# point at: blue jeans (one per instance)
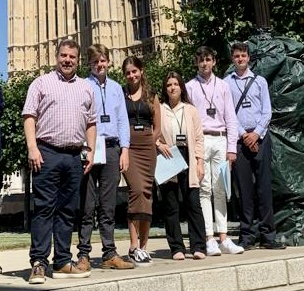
(56, 197)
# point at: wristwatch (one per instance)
(157, 143)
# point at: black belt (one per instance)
(216, 133)
(112, 142)
(72, 149)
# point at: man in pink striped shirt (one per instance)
(212, 97)
(59, 115)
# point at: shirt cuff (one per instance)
(231, 149)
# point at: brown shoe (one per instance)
(83, 263)
(70, 270)
(37, 274)
(117, 263)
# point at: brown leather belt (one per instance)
(64, 149)
(216, 133)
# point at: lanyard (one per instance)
(181, 123)
(103, 95)
(211, 101)
(136, 110)
(239, 86)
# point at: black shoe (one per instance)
(246, 246)
(272, 245)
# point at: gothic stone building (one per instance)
(126, 27)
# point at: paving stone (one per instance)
(262, 275)
(98, 287)
(156, 283)
(222, 279)
(295, 269)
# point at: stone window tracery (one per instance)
(141, 19)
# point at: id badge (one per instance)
(104, 118)
(210, 111)
(138, 127)
(181, 140)
(246, 104)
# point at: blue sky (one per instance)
(3, 39)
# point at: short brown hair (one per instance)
(70, 43)
(240, 46)
(95, 50)
(203, 52)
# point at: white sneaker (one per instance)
(213, 248)
(140, 258)
(227, 246)
(147, 255)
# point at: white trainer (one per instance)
(213, 248)
(227, 246)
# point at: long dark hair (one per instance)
(147, 94)
(178, 77)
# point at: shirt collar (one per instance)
(202, 80)
(94, 78)
(248, 74)
(63, 79)
(179, 106)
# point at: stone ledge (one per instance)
(281, 274)
(295, 269)
(275, 270)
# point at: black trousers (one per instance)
(99, 193)
(252, 172)
(56, 198)
(191, 203)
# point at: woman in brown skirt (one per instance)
(144, 117)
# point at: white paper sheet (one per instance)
(168, 168)
(100, 150)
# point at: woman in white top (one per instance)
(181, 126)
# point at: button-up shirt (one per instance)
(110, 100)
(214, 93)
(63, 108)
(258, 115)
